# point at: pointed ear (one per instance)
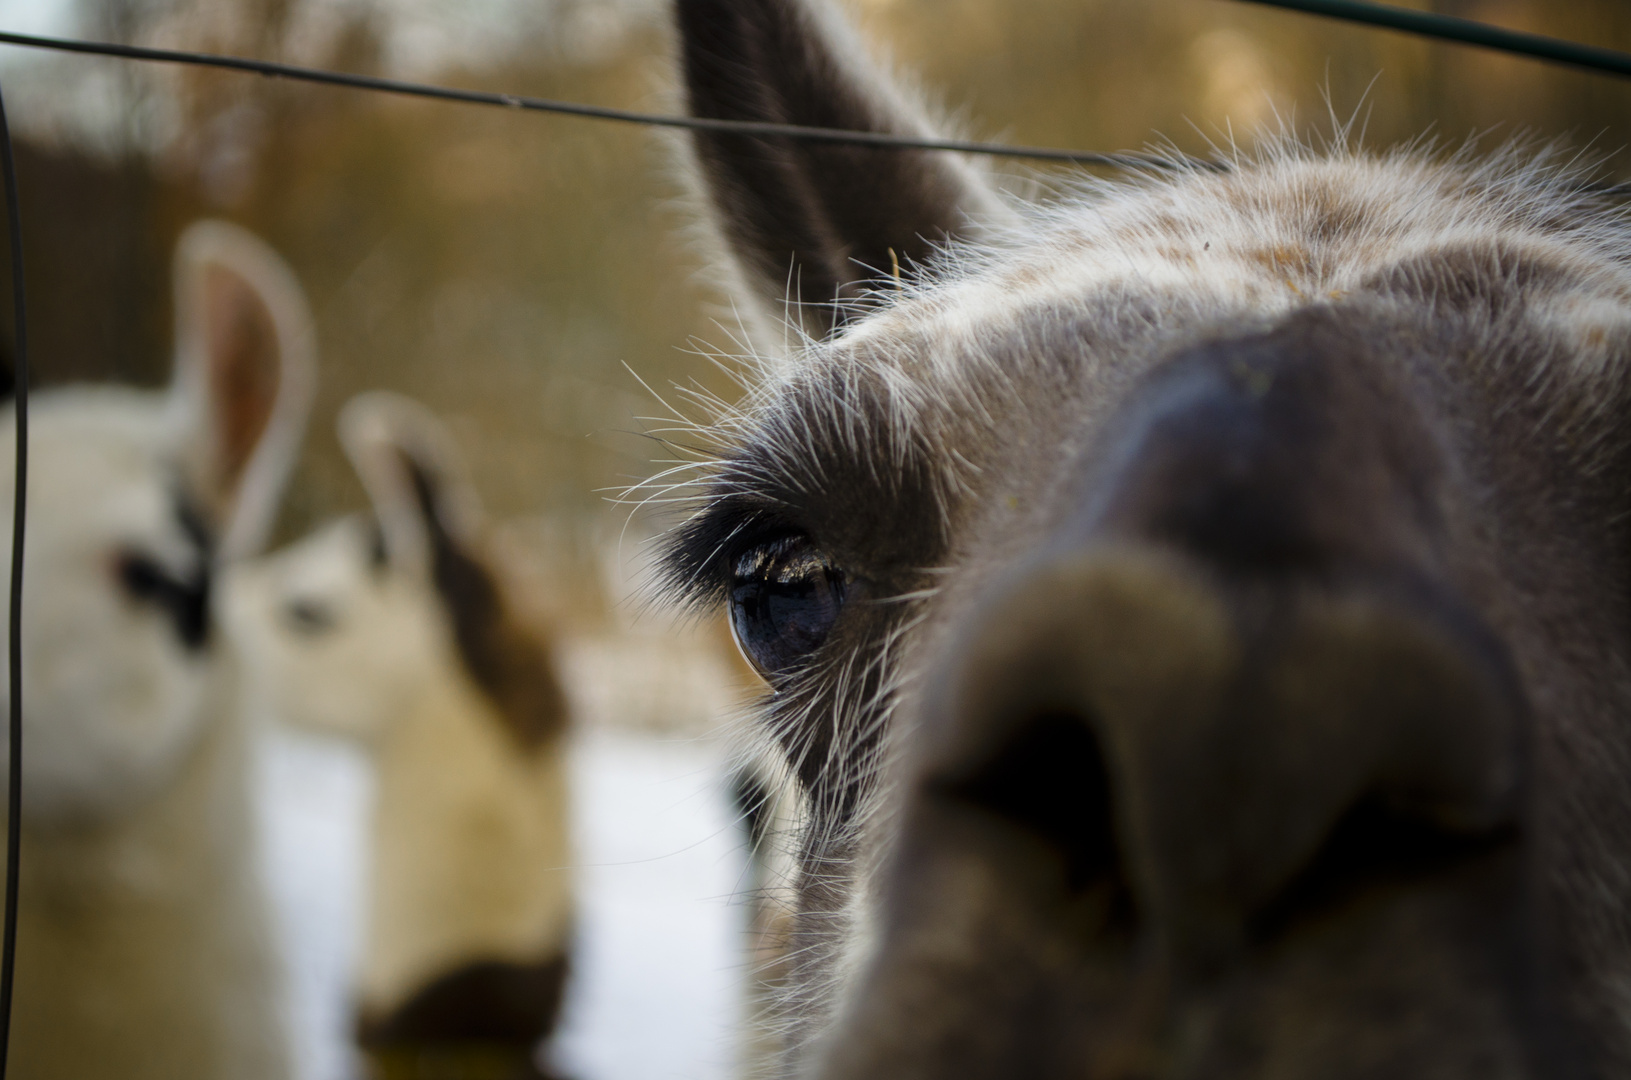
(245, 375)
(813, 222)
(414, 477)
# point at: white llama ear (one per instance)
(245, 375)
(414, 476)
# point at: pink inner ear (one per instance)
(243, 368)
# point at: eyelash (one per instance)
(702, 557)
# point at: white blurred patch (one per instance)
(315, 797)
(658, 990)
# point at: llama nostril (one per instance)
(1049, 779)
(1379, 843)
(1195, 739)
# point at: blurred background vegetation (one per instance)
(517, 272)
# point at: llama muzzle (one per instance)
(1233, 694)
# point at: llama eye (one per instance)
(785, 597)
(185, 600)
(309, 617)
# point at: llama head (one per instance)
(135, 498)
(349, 626)
(345, 628)
(1194, 608)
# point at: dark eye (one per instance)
(185, 600)
(309, 617)
(785, 597)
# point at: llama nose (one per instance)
(1210, 745)
(1242, 655)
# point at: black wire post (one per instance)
(1463, 32)
(14, 788)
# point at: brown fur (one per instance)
(485, 1019)
(509, 660)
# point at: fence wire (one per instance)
(1463, 32)
(800, 132)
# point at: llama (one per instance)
(1195, 608)
(393, 629)
(143, 947)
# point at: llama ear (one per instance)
(814, 222)
(245, 375)
(414, 477)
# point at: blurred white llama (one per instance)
(143, 945)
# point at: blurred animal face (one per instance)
(1195, 611)
(134, 498)
(117, 644)
(338, 639)
(376, 617)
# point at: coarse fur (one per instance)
(1231, 660)
(394, 629)
(143, 943)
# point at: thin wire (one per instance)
(14, 789)
(838, 136)
(1465, 32)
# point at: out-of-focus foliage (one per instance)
(501, 267)
(1107, 74)
(505, 267)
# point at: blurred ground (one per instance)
(659, 989)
